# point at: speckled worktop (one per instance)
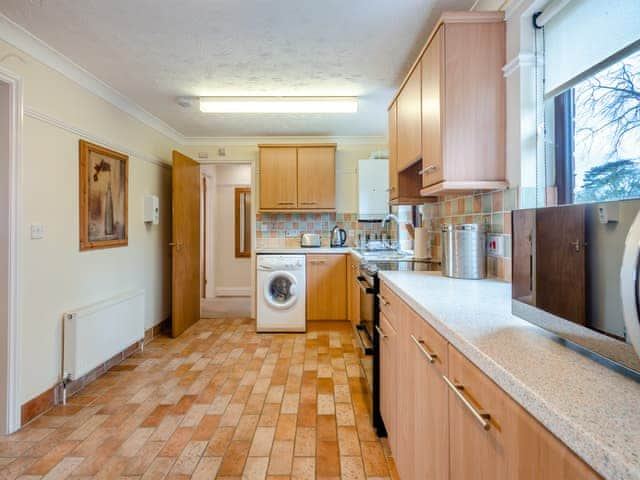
(302, 250)
(591, 408)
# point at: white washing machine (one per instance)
(281, 287)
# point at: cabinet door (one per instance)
(317, 177)
(410, 121)
(393, 151)
(278, 178)
(430, 420)
(388, 383)
(354, 291)
(326, 287)
(512, 444)
(432, 84)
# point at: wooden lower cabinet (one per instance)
(514, 445)
(388, 381)
(466, 429)
(326, 287)
(353, 290)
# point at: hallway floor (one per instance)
(218, 402)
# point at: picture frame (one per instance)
(104, 197)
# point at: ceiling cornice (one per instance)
(254, 141)
(23, 40)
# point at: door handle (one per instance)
(178, 245)
(479, 415)
(380, 332)
(383, 300)
(577, 245)
(431, 357)
(429, 169)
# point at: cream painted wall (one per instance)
(347, 156)
(232, 275)
(55, 275)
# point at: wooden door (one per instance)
(278, 178)
(393, 151)
(432, 83)
(410, 121)
(404, 455)
(326, 287)
(317, 178)
(430, 411)
(561, 269)
(185, 258)
(388, 383)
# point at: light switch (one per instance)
(37, 231)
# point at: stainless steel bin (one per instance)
(464, 251)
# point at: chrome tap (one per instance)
(386, 219)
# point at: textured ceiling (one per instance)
(153, 51)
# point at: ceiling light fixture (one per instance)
(279, 104)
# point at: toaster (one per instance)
(310, 240)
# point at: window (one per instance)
(594, 128)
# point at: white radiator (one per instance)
(94, 334)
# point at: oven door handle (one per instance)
(365, 287)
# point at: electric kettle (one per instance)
(338, 237)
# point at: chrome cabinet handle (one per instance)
(178, 245)
(317, 262)
(390, 189)
(429, 169)
(308, 203)
(286, 203)
(576, 245)
(383, 300)
(480, 416)
(380, 332)
(431, 357)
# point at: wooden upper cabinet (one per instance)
(393, 151)
(317, 177)
(298, 177)
(457, 89)
(432, 83)
(278, 178)
(409, 122)
(326, 287)
(514, 445)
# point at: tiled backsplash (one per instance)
(492, 209)
(283, 230)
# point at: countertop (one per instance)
(591, 408)
(303, 251)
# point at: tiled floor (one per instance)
(218, 402)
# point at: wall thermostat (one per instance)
(151, 209)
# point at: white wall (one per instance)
(232, 275)
(55, 275)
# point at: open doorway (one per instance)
(227, 240)
(10, 128)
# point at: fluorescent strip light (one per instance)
(278, 104)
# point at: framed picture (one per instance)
(103, 197)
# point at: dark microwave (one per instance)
(575, 273)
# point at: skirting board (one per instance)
(43, 402)
(233, 292)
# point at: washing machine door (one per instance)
(281, 290)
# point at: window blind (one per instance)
(585, 33)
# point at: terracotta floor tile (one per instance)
(286, 429)
(281, 459)
(207, 468)
(305, 445)
(234, 459)
(262, 442)
(304, 468)
(327, 459)
(220, 401)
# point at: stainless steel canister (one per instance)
(464, 251)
